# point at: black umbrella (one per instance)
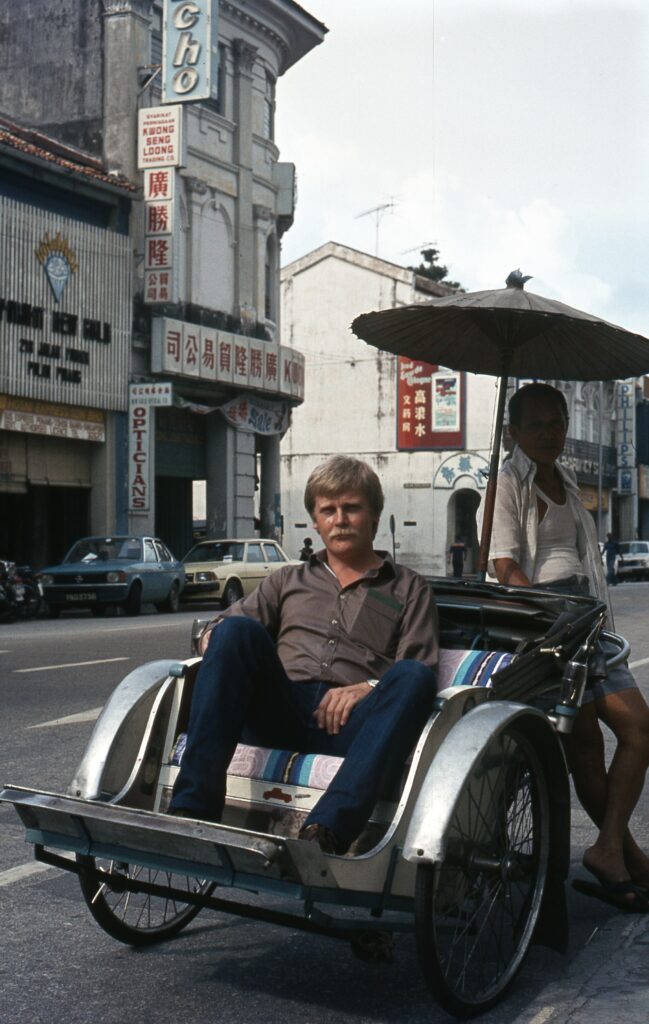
(506, 332)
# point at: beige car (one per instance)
(225, 570)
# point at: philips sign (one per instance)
(188, 60)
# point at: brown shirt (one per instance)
(344, 635)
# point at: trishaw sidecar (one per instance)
(472, 853)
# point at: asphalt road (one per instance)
(56, 964)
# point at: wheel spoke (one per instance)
(137, 917)
(477, 910)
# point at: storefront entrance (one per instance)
(38, 525)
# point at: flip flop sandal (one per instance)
(615, 894)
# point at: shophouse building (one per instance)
(65, 330)
(426, 430)
(203, 239)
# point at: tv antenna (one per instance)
(378, 212)
(419, 248)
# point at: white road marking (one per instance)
(32, 867)
(71, 664)
(637, 664)
(5, 652)
(544, 1014)
(82, 716)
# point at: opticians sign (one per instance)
(189, 51)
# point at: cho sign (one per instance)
(189, 52)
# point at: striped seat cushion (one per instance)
(315, 771)
(312, 770)
(470, 668)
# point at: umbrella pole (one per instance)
(490, 494)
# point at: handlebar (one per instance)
(617, 641)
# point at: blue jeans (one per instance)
(243, 693)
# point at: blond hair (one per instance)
(340, 473)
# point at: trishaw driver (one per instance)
(336, 655)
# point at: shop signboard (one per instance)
(257, 415)
(191, 351)
(430, 406)
(65, 309)
(160, 137)
(189, 50)
(625, 436)
(141, 425)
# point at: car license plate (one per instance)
(81, 597)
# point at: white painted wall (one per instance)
(350, 404)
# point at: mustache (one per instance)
(342, 533)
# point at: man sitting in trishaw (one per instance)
(336, 656)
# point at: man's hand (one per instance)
(205, 638)
(336, 706)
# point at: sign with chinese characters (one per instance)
(189, 51)
(462, 464)
(625, 435)
(159, 280)
(141, 438)
(156, 392)
(160, 137)
(430, 406)
(257, 415)
(188, 350)
(65, 309)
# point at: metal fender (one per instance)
(129, 706)
(426, 837)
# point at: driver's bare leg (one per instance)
(610, 797)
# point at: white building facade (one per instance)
(425, 430)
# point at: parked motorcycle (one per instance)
(20, 593)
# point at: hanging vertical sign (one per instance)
(625, 436)
(141, 420)
(161, 139)
(189, 51)
(159, 281)
(430, 406)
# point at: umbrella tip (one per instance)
(516, 279)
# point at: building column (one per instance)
(126, 48)
(245, 56)
(230, 481)
(270, 509)
(104, 480)
(264, 222)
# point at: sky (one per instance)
(509, 133)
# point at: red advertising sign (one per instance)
(430, 406)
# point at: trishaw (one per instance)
(472, 853)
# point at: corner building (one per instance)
(232, 201)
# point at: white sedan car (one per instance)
(225, 570)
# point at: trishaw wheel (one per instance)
(475, 912)
(137, 918)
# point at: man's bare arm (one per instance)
(510, 573)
